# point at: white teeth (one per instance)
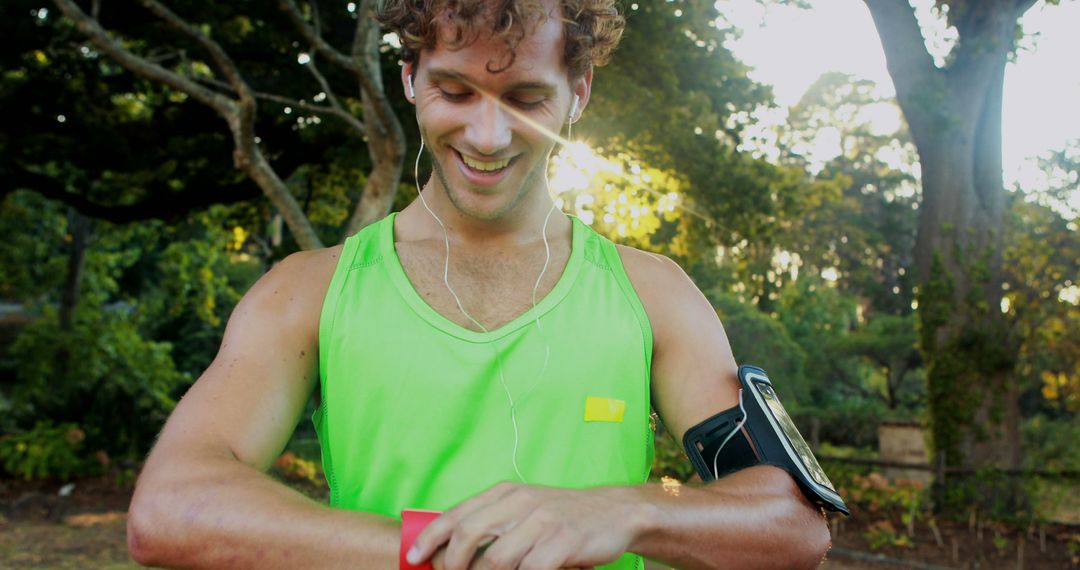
(485, 166)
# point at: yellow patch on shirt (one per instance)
(604, 409)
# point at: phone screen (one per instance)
(797, 442)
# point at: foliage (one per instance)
(868, 232)
(1062, 169)
(675, 100)
(816, 315)
(887, 346)
(842, 473)
(844, 418)
(293, 468)
(629, 202)
(899, 504)
(46, 451)
(882, 533)
(192, 276)
(670, 460)
(144, 286)
(32, 236)
(1042, 303)
(1051, 443)
(758, 339)
(991, 494)
(103, 373)
(968, 361)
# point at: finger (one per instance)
(477, 532)
(546, 555)
(439, 531)
(510, 548)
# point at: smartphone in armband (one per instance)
(758, 431)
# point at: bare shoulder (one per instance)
(248, 400)
(661, 284)
(294, 288)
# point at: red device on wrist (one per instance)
(412, 522)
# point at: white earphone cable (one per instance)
(536, 287)
(461, 307)
(734, 431)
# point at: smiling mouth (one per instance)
(486, 167)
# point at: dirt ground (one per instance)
(39, 528)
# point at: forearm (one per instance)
(751, 519)
(222, 513)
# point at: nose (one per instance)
(488, 129)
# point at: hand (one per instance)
(530, 527)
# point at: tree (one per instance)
(954, 114)
(223, 86)
(676, 100)
(887, 343)
(868, 232)
(1042, 300)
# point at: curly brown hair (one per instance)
(591, 28)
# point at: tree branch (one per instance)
(228, 68)
(247, 155)
(369, 85)
(333, 110)
(1022, 6)
(910, 65)
(363, 29)
(139, 65)
(238, 114)
(334, 102)
(316, 40)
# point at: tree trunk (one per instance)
(385, 138)
(955, 119)
(79, 232)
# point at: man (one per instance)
(458, 344)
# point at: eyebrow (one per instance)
(439, 74)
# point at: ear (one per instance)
(581, 87)
(408, 79)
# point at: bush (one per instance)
(849, 422)
(1051, 444)
(46, 451)
(102, 374)
(894, 505)
(757, 338)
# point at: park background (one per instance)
(861, 234)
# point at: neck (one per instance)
(523, 224)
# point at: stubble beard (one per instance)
(531, 178)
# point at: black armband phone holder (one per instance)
(758, 432)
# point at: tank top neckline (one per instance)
(413, 298)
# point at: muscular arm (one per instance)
(756, 518)
(203, 499)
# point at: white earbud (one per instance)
(573, 108)
(412, 93)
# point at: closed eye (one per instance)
(453, 96)
(527, 103)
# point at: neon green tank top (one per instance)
(413, 414)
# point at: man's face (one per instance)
(490, 134)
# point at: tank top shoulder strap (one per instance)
(601, 252)
(361, 249)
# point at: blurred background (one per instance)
(879, 199)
